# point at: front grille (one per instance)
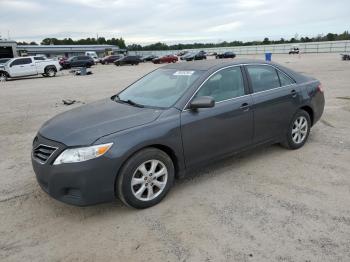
(43, 152)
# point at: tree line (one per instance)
(163, 46)
(87, 41)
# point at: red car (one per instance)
(165, 59)
(62, 60)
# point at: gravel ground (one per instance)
(269, 204)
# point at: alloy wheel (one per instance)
(3, 78)
(299, 130)
(51, 72)
(149, 180)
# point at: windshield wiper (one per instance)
(129, 101)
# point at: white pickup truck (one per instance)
(28, 66)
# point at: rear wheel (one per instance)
(50, 72)
(298, 131)
(145, 178)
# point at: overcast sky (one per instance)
(172, 21)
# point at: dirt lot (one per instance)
(270, 204)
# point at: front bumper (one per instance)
(85, 183)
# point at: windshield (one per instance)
(4, 61)
(161, 88)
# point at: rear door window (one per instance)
(263, 77)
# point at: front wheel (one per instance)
(145, 178)
(3, 77)
(298, 131)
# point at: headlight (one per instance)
(80, 154)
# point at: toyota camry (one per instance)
(177, 118)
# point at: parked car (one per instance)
(148, 58)
(78, 61)
(212, 54)
(110, 59)
(165, 59)
(183, 57)
(93, 55)
(62, 59)
(343, 57)
(181, 53)
(173, 120)
(4, 60)
(128, 60)
(225, 55)
(28, 66)
(196, 56)
(294, 50)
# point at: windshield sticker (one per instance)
(183, 73)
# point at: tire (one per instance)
(50, 72)
(297, 135)
(145, 180)
(3, 77)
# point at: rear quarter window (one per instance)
(285, 80)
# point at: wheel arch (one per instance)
(166, 149)
(6, 73)
(310, 111)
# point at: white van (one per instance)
(93, 55)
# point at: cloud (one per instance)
(226, 27)
(19, 5)
(101, 4)
(147, 21)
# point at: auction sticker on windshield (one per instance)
(183, 73)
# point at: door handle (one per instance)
(245, 107)
(293, 93)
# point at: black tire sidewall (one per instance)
(48, 70)
(290, 143)
(123, 186)
(4, 75)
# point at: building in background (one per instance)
(8, 49)
(67, 50)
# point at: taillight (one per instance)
(320, 88)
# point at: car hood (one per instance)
(85, 124)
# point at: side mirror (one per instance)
(202, 102)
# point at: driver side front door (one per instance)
(210, 133)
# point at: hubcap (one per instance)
(2, 78)
(51, 72)
(149, 180)
(299, 131)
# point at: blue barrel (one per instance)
(83, 71)
(268, 56)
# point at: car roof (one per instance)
(212, 64)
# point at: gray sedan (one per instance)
(171, 121)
